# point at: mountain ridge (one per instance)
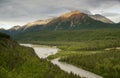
(15, 27)
(101, 18)
(74, 20)
(68, 14)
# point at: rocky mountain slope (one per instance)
(75, 20)
(101, 18)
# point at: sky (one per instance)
(20, 12)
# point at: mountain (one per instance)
(2, 29)
(101, 18)
(29, 27)
(69, 14)
(74, 20)
(36, 23)
(15, 27)
(118, 22)
(33, 26)
(68, 20)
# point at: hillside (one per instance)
(76, 20)
(21, 62)
(2, 35)
(69, 36)
(101, 18)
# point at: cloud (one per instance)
(29, 10)
(114, 16)
(110, 14)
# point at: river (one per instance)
(45, 51)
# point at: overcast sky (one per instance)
(19, 12)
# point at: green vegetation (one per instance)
(106, 63)
(71, 53)
(83, 48)
(74, 40)
(69, 36)
(2, 35)
(21, 62)
(92, 58)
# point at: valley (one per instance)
(45, 51)
(81, 45)
(85, 49)
(21, 62)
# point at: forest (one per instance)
(92, 50)
(105, 63)
(21, 62)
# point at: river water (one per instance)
(44, 52)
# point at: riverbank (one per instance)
(41, 51)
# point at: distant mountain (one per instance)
(101, 18)
(36, 23)
(74, 20)
(119, 23)
(2, 29)
(77, 20)
(68, 20)
(32, 26)
(15, 27)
